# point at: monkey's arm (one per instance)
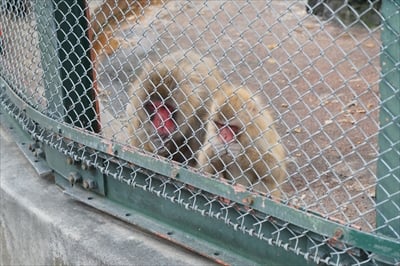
(204, 159)
(268, 174)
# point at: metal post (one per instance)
(388, 174)
(76, 68)
(49, 58)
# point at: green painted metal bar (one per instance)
(388, 185)
(49, 58)
(76, 68)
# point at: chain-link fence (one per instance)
(277, 119)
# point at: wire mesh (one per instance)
(20, 60)
(319, 78)
(304, 75)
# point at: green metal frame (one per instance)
(105, 169)
(388, 172)
(147, 204)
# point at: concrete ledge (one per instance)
(39, 225)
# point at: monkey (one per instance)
(169, 105)
(241, 143)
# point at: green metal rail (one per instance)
(389, 141)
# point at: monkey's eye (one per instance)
(234, 129)
(153, 106)
(219, 125)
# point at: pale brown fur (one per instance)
(184, 80)
(255, 158)
(108, 15)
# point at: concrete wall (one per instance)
(39, 225)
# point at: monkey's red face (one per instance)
(227, 132)
(161, 115)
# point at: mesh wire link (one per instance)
(304, 74)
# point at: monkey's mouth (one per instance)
(163, 143)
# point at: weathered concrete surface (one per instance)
(39, 225)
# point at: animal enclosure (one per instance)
(253, 129)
